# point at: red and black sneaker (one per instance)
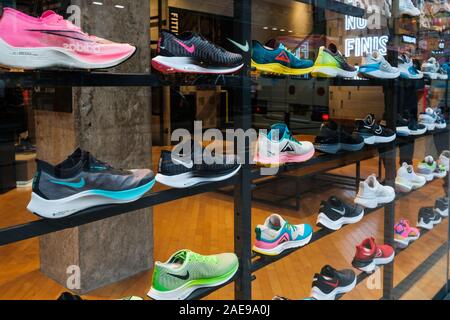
(192, 53)
(369, 255)
(331, 283)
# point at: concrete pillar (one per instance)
(115, 125)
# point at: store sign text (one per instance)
(358, 46)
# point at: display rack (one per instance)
(244, 183)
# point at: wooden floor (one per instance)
(205, 224)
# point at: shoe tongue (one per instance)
(50, 15)
(328, 271)
(282, 46)
(370, 120)
(179, 257)
(275, 222)
(282, 129)
(429, 160)
(332, 47)
(335, 201)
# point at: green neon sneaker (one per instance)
(187, 271)
(427, 168)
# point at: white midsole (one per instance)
(319, 295)
(336, 225)
(37, 58)
(284, 246)
(381, 74)
(184, 291)
(333, 72)
(442, 213)
(428, 176)
(186, 64)
(376, 139)
(377, 262)
(406, 186)
(372, 203)
(187, 179)
(403, 243)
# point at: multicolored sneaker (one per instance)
(279, 60)
(192, 53)
(277, 235)
(376, 67)
(427, 168)
(369, 255)
(50, 41)
(404, 234)
(187, 271)
(330, 63)
(279, 147)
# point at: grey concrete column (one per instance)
(115, 125)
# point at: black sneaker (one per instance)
(83, 182)
(428, 218)
(372, 132)
(333, 139)
(441, 207)
(182, 172)
(191, 53)
(334, 213)
(67, 296)
(330, 283)
(407, 126)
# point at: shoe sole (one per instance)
(187, 180)
(335, 148)
(403, 243)
(190, 287)
(426, 226)
(371, 140)
(280, 69)
(170, 65)
(406, 188)
(283, 247)
(443, 214)
(378, 74)
(52, 57)
(319, 295)
(283, 159)
(332, 72)
(428, 177)
(370, 268)
(373, 203)
(62, 208)
(336, 225)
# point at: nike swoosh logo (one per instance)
(188, 165)
(244, 48)
(189, 49)
(62, 33)
(185, 277)
(339, 211)
(77, 185)
(332, 284)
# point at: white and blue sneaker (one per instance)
(376, 67)
(441, 123)
(429, 118)
(83, 182)
(407, 69)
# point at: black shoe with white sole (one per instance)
(428, 218)
(332, 139)
(331, 283)
(441, 207)
(335, 213)
(372, 132)
(181, 172)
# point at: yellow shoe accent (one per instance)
(280, 69)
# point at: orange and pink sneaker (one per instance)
(50, 41)
(404, 234)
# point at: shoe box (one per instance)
(25, 169)
(356, 102)
(7, 162)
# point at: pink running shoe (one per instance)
(404, 234)
(50, 41)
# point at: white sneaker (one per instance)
(371, 193)
(408, 8)
(407, 180)
(376, 66)
(444, 159)
(429, 119)
(431, 68)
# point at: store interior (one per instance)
(375, 108)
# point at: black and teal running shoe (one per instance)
(279, 60)
(82, 182)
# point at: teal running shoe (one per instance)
(187, 271)
(280, 60)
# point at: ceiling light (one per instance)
(97, 3)
(119, 6)
(266, 28)
(274, 29)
